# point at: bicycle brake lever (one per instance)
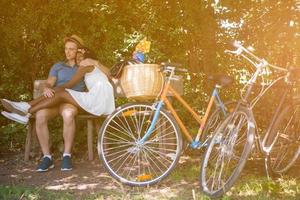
(236, 52)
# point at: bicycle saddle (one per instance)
(221, 79)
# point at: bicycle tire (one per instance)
(223, 143)
(285, 147)
(215, 119)
(132, 163)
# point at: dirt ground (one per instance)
(90, 178)
(86, 178)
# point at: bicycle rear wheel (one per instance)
(129, 161)
(227, 153)
(285, 144)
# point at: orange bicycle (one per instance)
(140, 143)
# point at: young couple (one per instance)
(64, 94)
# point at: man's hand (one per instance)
(48, 92)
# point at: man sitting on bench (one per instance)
(59, 74)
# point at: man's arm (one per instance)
(76, 78)
(48, 87)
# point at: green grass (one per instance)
(188, 171)
(248, 187)
(261, 188)
(29, 193)
(251, 187)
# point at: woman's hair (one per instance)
(87, 53)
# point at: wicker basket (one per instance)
(142, 81)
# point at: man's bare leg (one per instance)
(68, 113)
(42, 131)
(42, 117)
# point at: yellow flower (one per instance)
(143, 46)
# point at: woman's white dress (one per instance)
(99, 100)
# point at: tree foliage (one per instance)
(192, 32)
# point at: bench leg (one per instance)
(97, 126)
(90, 138)
(28, 139)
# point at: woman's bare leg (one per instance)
(36, 101)
(59, 97)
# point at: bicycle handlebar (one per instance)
(168, 64)
(181, 70)
(173, 67)
(253, 59)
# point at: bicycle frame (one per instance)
(263, 142)
(194, 143)
(264, 147)
(260, 64)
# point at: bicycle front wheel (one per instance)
(227, 153)
(285, 146)
(131, 162)
(215, 120)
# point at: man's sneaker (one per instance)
(20, 108)
(66, 164)
(16, 117)
(45, 165)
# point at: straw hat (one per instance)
(75, 39)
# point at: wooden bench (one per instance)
(93, 122)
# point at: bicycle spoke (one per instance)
(127, 132)
(116, 136)
(224, 154)
(117, 147)
(131, 161)
(150, 167)
(160, 154)
(132, 166)
(127, 125)
(118, 157)
(155, 163)
(285, 145)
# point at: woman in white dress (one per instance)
(98, 100)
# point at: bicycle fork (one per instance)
(157, 108)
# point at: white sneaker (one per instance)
(20, 108)
(16, 117)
